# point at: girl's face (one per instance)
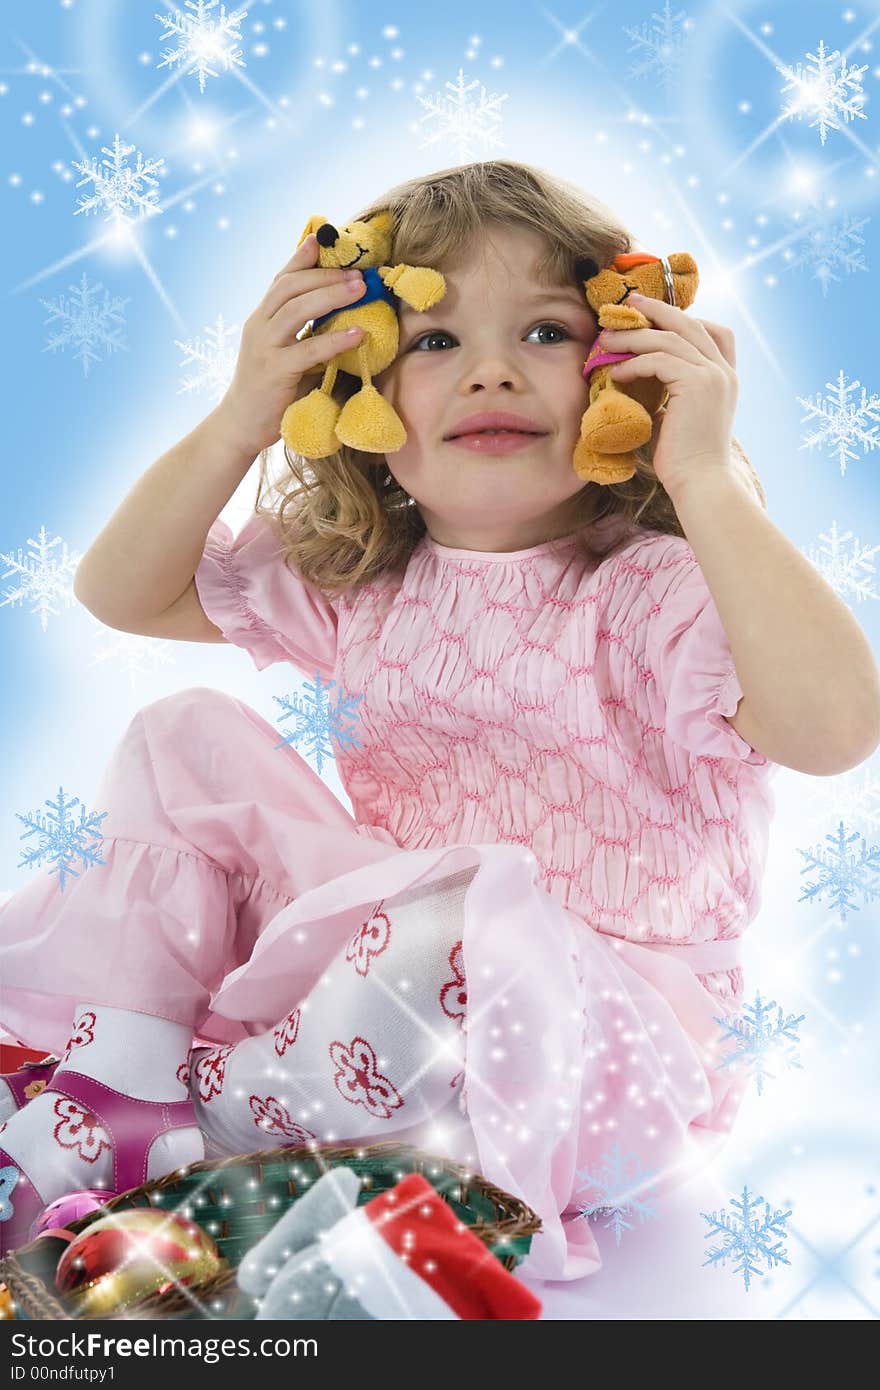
(496, 341)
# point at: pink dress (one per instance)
(557, 725)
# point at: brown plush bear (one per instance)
(619, 417)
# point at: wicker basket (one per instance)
(237, 1200)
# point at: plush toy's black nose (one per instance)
(327, 235)
(585, 268)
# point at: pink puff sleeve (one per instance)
(688, 655)
(259, 603)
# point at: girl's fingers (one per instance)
(291, 285)
(311, 301)
(632, 339)
(723, 338)
(698, 332)
(307, 354)
(669, 368)
(305, 255)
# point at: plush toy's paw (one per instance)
(617, 317)
(602, 468)
(368, 422)
(612, 427)
(308, 426)
(418, 286)
(615, 423)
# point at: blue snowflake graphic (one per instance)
(616, 1190)
(747, 1237)
(85, 323)
(9, 1176)
(842, 871)
(758, 1038)
(319, 722)
(61, 838)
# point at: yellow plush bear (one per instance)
(316, 425)
(619, 417)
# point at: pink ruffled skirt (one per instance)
(233, 875)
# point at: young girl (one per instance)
(517, 950)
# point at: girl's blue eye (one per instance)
(441, 332)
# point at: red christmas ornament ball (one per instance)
(127, 1255)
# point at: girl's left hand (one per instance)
(696, 361)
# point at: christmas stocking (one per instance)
(403, 1254)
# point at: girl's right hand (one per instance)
(272, 361)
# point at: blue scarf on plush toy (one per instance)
(375, 289)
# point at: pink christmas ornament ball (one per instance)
(71, 1207)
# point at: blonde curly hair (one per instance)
(340, 525)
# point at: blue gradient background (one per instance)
(323, 115)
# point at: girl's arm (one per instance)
(146, 555)
(810, 680)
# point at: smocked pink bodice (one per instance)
(518, 697)
(534, 696)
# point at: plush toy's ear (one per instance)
(586, 268)
(380, 220)
(311, 226)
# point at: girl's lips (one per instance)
(495, 443)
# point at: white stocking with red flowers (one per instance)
(377, 1046)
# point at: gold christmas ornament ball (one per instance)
(122, 1258)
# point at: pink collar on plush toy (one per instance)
(600, 356)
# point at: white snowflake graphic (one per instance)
(204, 39)
(621, 1188)
(821, 94)
(86, 323)
(747, 1237)
(319, 722)
(852, 796)
(118, 189)
(662, 41)
(842, 424)
(760, 1039)
(848, 569)
(61, 839)
(842, 871)
(130, 652)
(464, 120)
(213, 358)
(44, 579)
(827, 246)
